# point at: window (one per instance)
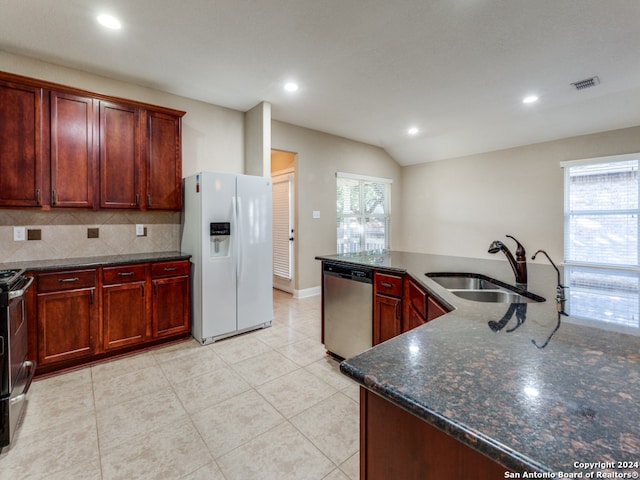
(601, 238)
(362, 213)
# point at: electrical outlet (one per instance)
(19, 234)
(34, 234)
(139, 230)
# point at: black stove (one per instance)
(16, 371)
(9, 277)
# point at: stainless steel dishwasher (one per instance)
(348, 309)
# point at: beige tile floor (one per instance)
(265, 405)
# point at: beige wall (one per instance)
(212, 136)
(457, 207)
(257, 140)
(450, 207)
(320, 156)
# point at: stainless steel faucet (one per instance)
(518, 264)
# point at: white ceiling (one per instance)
(367, 69)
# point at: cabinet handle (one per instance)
(137, 199)
(91, 297)
(53, 197)
(38, 196)
(125, 274)
(142, 289)
(170, 269)
(395, 310)
(148, 200)
(68, 280)
(155, 288)
(387, 285)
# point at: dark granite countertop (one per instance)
(538, 395)
(84, 262)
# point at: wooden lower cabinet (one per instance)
(412, 319)
(89, 314)
(170, 306)
(396, 444)
(434, 309)
(124, 306)
(387, 306)
(400, 304)
(387, 318)
(67, 325)
(124, 315)
(419, 306)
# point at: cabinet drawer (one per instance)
(170, 269)
(388, 284)
(125, 273)
(69, 280)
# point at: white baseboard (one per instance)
(307, 292)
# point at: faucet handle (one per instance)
(520, 252)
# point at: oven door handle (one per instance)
(19, 293)
(19, 398)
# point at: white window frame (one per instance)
(625, 273)
(386, 218)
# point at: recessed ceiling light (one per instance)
(291, 86)
(530, 99)
(109, 22)
(413, 131)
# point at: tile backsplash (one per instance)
(64, 233)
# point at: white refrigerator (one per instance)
(227, 230)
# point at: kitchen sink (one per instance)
(480, 288)
(496, 296)
(463, 283)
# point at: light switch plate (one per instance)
(19, 234)
(316, 214)
(139, 229)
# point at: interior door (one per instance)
(283, 232)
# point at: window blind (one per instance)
(362, 213)
(601, 238)
(282, 227)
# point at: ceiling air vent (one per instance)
(587, 83)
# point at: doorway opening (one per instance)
(283, 170)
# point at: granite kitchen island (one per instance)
(534, 392)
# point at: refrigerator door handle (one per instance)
(238, 214)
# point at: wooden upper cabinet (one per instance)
(21, 145)
(119, 156)
(164, 162)
(73, 151)
(65, 147)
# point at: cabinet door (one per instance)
(395, 444)
(21, 149)
(124, 315)
(387, 315)
(120, 172)
(164, 162)
(413, 319)
(67, 325)
(434, 309)
(170, 306)
(73, 155)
